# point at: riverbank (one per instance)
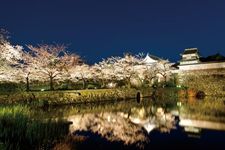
(66, 97)
(42, 98)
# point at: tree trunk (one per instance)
(27, 84)
(84, 83)
(103, 83)
(165, 78)
(51, 83)
(128, 83)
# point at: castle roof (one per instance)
(190, 51)
(150, 59)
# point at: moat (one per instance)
(149, 124)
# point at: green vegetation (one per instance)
(215, 57)
(63, 85)
(18, 130)
(211, 108)
(45, 98)
(213, 85)
(11, 87)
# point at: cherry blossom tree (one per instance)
(105, 70)
(81, 72)
(4, 68)
(131, 68)
(150, 73)
(30, 69)
(164, 69)
(10, 57)
(126, 68)
(52, 60)
(4, 36)
(8, 51)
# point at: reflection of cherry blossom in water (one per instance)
(127, 127)
(158, 120)
(112, 126)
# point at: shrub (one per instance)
(121, 83)
(200, 95)
(9, 87)
(91, 86)
(210, 84)
(170, 84)
(64, 86)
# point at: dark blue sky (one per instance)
(96, 29)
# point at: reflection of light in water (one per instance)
(108, 118)
(144, 123)
(192, 129)
(202, 124)
(129, 127)
(174, 112)
(138, 120)
(160, 120)
(149, 127)
(112, 126)
(138, 112)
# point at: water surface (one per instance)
(149, 124)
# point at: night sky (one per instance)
(96, 29)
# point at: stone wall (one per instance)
(211, 82)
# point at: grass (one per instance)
(70, 97)
(18, 130)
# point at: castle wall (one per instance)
(207, 77)
(202, 66)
